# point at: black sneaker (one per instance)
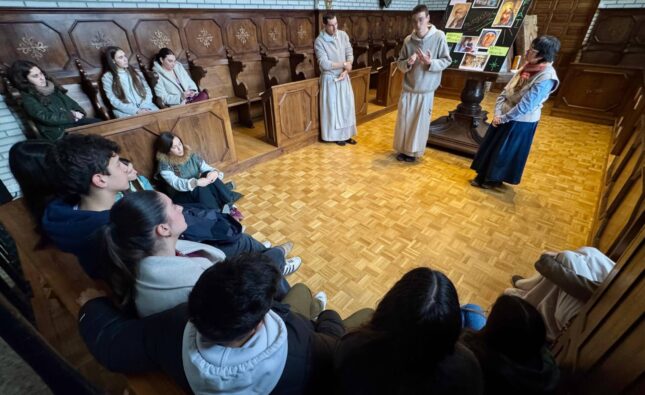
(341, 143)
(351, 141)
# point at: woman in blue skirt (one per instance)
(503, 153)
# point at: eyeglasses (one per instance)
(531, 50)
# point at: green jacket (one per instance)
(52, 114)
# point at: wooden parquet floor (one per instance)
(360, 219)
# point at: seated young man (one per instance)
(89, 175)
(231, 336)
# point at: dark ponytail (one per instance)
(128, 238)
(161, 55)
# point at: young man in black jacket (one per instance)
(296, 361)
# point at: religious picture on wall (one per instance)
(485, 3)
(488, 38)
(458, 15)
(474, 62)
(507, 13)
(467, 44)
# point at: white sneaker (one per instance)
(322, 299)
(293, 264)
(267, 244)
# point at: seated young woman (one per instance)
(410, 344)
(174, 85)
(190, 179)
(145, 261)
(125, 88)
(45, 102)
(512, 350)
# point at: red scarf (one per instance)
(529, 70)
(523, 75)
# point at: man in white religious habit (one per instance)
(335, 56)
(423, 56)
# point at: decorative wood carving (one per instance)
(274, 33)
(301, 32)
(204, 38)
(617, 38)
(295, 59)
(152, 79)
(242, 37)
(101, 34)
(34, 41)
(197, 73)
(568, 20)
(360, 29)
(93, 91)
(268, 63)
(152, 35)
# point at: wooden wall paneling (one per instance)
(204, 37)
(628, 120)
(568, 20)
(601, 352)
(594, 93)
(360, 79)
(291, 113)
(151, 35)
(204, 124)
(617, 38)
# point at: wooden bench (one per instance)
(54, 274)
(204, 125)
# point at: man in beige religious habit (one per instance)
(423, 56)
(335, 57)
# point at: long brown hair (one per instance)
(111, 67)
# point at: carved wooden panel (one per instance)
(37, 42)
(390, 28)
(617, 38)
(376, 27)
(568, 20)
(301, 32)
(291, 113)
(346, 24)
(360, 31)
(204, 38)
(152, 35)
(204, 125)
(274, 33)
(360, 86)
(242, 36)
(594, 93)
(628, 119)
(92, 37)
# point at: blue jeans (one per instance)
(472, 317)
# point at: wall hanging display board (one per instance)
(480, 34)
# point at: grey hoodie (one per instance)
(420, 78)
(254, 368)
